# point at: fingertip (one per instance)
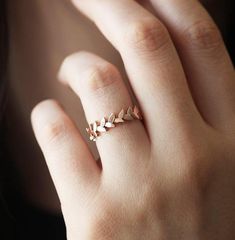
(43, 105)
(61, 75)
(41, 108)
(68, 158)
(66, 69)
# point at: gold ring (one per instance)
(95, 129)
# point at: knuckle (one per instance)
(56, 130)
(204, 35)
(147, 35)
(101, 76)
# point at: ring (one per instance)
(95, 129)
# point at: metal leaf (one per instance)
(102, 122)
(101, 129)
(95, 126)
(95, 134)
(137, 113)
(109, 125)
(118, 120)
(88, 130)
(121, 114)
(128, 117)
(129, 111)
(92, 138)
(111, 118)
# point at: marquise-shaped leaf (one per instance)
(121, 114)
(128, 117)
(102, 122)
(95, 126)
(111, 118)
(137, 113)
(101, 129)
(118, 120)
(109, 125)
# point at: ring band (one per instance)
(95, 129)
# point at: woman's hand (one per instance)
(171, 177)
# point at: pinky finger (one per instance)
(71, 164)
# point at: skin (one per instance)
(37, 49)
(171, 177)
(174, 186)
(32, 37)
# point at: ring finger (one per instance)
(102, 92)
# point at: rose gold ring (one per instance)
(95, 129)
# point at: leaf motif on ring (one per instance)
(88, 130)
(121, 114)
(111, 118)
(118, 120)
(102, 122)
(95, 126)
(101, 129)
(92, 138)
(137, 113)
(110, 122)
(109, 125)
(120, 117)
(128, 117)
(129, 111)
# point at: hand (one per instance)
(171, 176)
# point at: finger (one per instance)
(205, 59)
(102, 92)
(151, 61)
(72, 167)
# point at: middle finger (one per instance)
(101, 89)
(151, 61)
